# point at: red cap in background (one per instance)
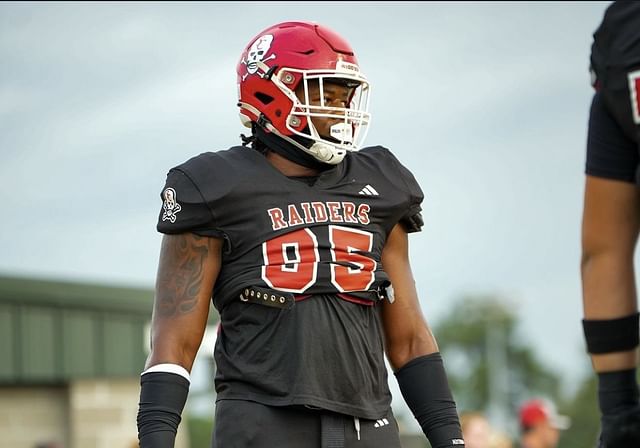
(537, 411)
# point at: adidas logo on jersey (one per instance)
(381, 423)
(369, 190)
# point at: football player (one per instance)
(611, 221)
(301, 243)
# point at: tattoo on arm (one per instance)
(181, 274)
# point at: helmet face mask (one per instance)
(283, 77)
(352, 119)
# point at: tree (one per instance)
(488, 368)
(585, 417)
(491, 370)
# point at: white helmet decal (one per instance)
(258, 52)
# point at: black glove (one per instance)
(621, 430)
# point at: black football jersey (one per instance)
(319, 244)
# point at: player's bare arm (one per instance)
(610, 226)
(412, 350)
(188, 267)
(611, 221)
(407, 335)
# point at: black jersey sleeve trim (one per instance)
(610, 154)
(412, 220)
(210, 232)
(195, 185)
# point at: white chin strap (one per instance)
(324, 152)
(327, 153)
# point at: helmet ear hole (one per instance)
(264, 98)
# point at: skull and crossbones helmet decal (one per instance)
(257, 53)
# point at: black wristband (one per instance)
(424, 386)
(611, 335)
(162, 399)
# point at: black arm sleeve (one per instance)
(162, 399)
(424, 386)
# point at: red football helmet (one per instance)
(274, 65)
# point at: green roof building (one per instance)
(71, 356)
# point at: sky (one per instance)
(487, 104)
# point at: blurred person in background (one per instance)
(475, 429)
(611, 222)
(478, 432)
(540, 425)
(500, 440)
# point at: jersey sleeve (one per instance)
(412, 218)
(184, 209)
(610, 154)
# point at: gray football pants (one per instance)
(246, 424)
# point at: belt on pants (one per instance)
(285, 300)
